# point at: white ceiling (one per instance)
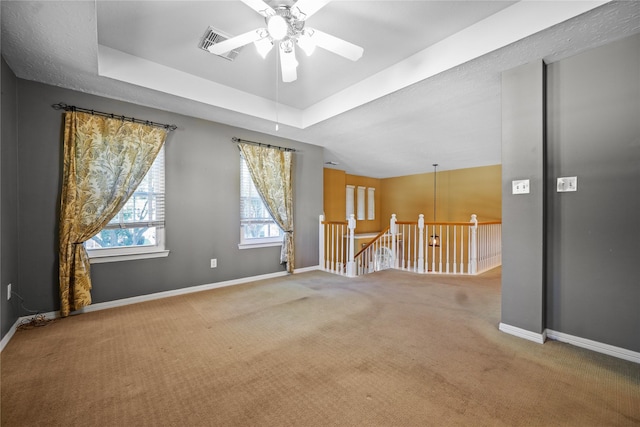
(427, 89)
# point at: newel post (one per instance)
(321, 244)
(351, 271)
(421, 243)
(473, 249)
(393, 229)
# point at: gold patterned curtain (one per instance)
(270, 169)
(105, 159)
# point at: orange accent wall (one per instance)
(366, 226)
(460, 193)
(335, 205)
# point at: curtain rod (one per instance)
(236, 140)
(65, 107)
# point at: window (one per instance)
(257, 227)
(360, 193)
(137, 231)
(350, 200)
(371, 203)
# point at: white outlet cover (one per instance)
(520, 186)
(567, 183)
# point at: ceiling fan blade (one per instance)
(261, 7)
(305, 8)
(235, 42)
(288, 65)
(336, 45)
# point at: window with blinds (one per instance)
(140, 222)
(257, 227)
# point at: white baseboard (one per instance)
(19, 321)
(175, 292)
(150, 297)
(9, 335)
(523, 333)
(621, 353)
(306, 269)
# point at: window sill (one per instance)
(258, 245)
(99, 259)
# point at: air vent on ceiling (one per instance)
(213, 36)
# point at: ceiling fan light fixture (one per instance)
(263, 46)
(288, 62)
(306, 42)
(277, 27)
(297, 13)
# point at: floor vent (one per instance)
(213, 36)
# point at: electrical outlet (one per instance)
(9, 291)
(214, 262)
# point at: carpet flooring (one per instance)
(314, 349)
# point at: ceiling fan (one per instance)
(286, 28)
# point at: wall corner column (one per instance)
(523, 225)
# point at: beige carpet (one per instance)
(313, 349)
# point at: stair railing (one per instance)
(418, 246)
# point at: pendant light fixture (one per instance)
(434, 239)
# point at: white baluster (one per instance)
(350, 263)
(321, 243)
(447, 264)
(455, 248)
(433, 252)
(342, 247)
(440, 250)
(461, 250)
(332, 256)
(393, 231)
(415, 249)
(401, 245)
(473, 251)
(421, 243)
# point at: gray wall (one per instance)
(522, 214)
(578, 251)
(202, 206)
(8, 199)
(593, 281)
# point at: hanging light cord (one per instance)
(277, 87)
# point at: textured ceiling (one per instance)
(427, 89)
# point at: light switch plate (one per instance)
(520, 186)
(567, 183)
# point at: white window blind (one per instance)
(350, 200)
(361, 206)
(371, 203)
(145, 207)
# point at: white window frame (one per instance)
(129, 253)
(259, 242)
